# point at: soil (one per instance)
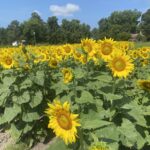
(5, 140)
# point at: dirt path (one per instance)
(6, 140)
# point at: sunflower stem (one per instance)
(81, 140)
(114, 86)
(74, 88)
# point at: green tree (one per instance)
(13, 31)
(74, 31)
(55, 35)
(34, 30)
(145, 24)
(118, 25)
(104, 27)
(3, 36)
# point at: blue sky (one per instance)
(87, 11)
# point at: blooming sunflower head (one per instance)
(145, 62)
(121, 65)
(144, 84)
(59, 53)
(106, 48)
(83, 59)
(67, 74)
(7, 61)
(88, 46)
(67, 50)
(62, 121)
(99, 146)
(77, 55)
(134, 54)
(53, 63)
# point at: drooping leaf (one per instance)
(111, 96)
(29, 117)
(39, 78)
(58, 144)
(108, 132)
(86, 97)
(24, 98)
(79, 73)
(26, 84)
(104, 78)
(36, 100)
(128, 133)
(95, 123)
(4, 93)
(8, 81)
(15, 133)
(11, 112)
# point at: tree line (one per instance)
(120, 25)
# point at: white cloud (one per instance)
(38, 12)
(66, 10)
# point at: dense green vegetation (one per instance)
(120, 25)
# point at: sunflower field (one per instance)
(89, 96)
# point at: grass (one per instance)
(137, 45)
(142, 44)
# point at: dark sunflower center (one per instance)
(146, 85)
(54, 63)
(88, 47)
(59, 52)
(106, 48)
(67, 49)
(8, 61)
(66, 73)
(119, 65)
(64, 121)
(78, 54)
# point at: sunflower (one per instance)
(62, 121)
(134, 54)
(7, 61)
(144, 62)
(144, 84)
(99, 146)
(89, 46)
(53, 63)
(59, 53)
(83, 60)
(106, 48)
(67, 50)
(121, 65)
(144, 55)
(67, 73)
(77, 55)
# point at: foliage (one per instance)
(113, 110)
(17, 147)
(145, 26)
(24, 94)
(119, 25)
(35, 30)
